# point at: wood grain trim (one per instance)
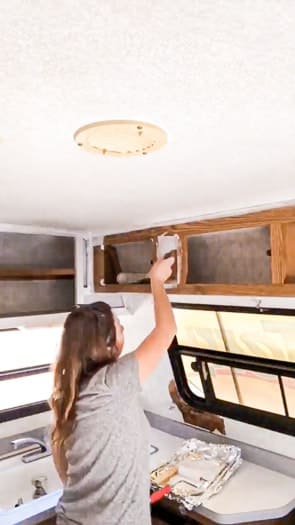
(98, 265)
(121, 288)
(276, 290)
(278, 253)
(272, 290)
(289, 239)
(250, 220)
(154, 249)
(184, 259)
(12, 274)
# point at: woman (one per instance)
(100, 438)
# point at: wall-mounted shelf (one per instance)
(13, 274)
(37, 273)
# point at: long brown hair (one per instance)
(88, 343)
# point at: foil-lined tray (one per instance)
(196, 471)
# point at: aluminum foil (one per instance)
(203, 469)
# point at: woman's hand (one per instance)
(161, 270)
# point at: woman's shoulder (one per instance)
(121, 375)
(124, 373)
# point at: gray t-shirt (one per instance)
(108, 458)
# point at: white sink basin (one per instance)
(16, 480)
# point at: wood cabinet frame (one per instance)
(281, 222)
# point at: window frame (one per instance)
(29, 409)
(38, 407)
(210, 403)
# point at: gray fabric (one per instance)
(108, 458)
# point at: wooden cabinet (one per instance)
(122, 264)
(252, 254)
(37, 273)
(240, 256)
(283, 252)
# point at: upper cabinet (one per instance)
(123, 263)
(37, 273)
(239, 256)
(253, 254)
(283, 252)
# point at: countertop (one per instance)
(254, 492)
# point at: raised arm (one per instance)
(158, 341)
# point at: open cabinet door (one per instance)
(170, 245)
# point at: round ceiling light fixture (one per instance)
(120, 138)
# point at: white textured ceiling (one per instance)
(217, 75)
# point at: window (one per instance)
(198, 328)
(25, 369)
(254, 334)
(239, 363)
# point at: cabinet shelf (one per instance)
(37, 273)
(129, 288)
(270, 290)
(14, 274)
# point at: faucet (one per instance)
(31, 456)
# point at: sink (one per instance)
(16, 486)
(16, 480)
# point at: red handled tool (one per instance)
(159, 494)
